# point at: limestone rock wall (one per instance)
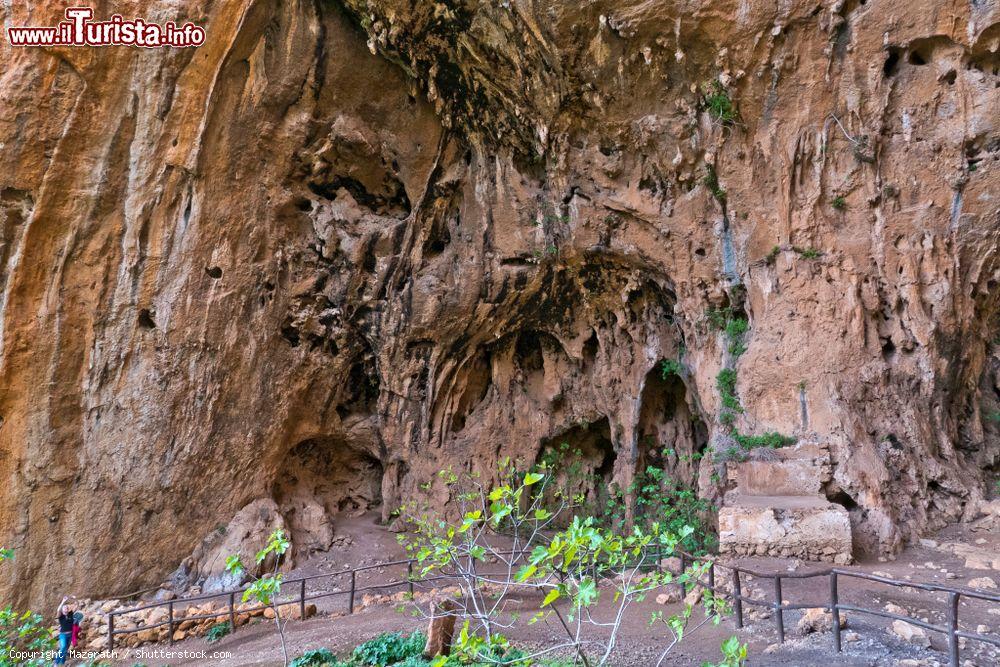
(436, 233)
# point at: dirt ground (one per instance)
(867, 639)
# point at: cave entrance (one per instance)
(670, 435)
(320, 479)
(582, 460)
(671, 441)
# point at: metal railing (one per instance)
(835, 606)
(777, 605)
(232, 610)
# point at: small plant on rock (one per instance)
(711, 181)
(719, 105)
(839, 203)
(725, 382)
(670, 367)
(772, 256)
(266, 589)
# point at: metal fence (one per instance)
(777, 605)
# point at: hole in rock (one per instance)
(888, 349)
(842, 498)
(891, 64)
(214, 272)
(582, 461)
(321, 478)
(671, 436)
(476, 378)
(590, 349)
(146, 320)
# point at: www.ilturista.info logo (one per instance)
(79, 30)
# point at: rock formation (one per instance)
(386, 237)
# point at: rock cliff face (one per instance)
(344, 244)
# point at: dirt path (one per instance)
(867, 639)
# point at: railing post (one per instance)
(952, 628)
(232, 611)
(111, 631)
(302, 601)
(737, 597)
(170, 621)
(409, 576)
(350, 602)
(835, 611)
(779, 615)
(711, 576)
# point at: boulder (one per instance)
(245, 535)
(911, 633)
(983, 583)
(670, 595)
(818, 619)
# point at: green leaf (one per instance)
(532, 478)
(233, 564)
(551, 597)
(525, 572)
(587, 592)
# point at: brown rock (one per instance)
(818, 619)
(671, 594)
(911, 633)
(328, 277)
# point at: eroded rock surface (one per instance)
(431, 234)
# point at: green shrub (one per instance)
(839, 203)
(389, 648)
(808, 253)
(735, 329)
(770, 439)
(719, 106)
(670, 367)
(217, 632)
(659, 498)
(320, 657)
(772, 256)
(414, 661)
(25, 632)
(725, 382)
